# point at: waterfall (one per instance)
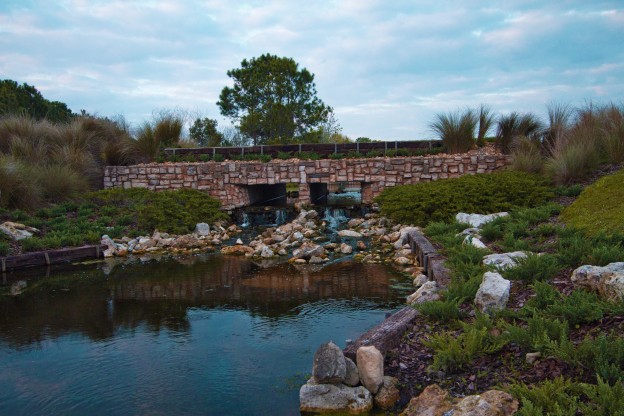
(246, 221)
(334, 217)
(280, 217)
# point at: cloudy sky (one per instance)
(386, 67)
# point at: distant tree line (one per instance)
(24, 99)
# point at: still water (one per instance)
(205, 335)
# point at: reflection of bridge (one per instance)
(159, 294)
(239, 184)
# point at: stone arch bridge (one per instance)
(242, 183)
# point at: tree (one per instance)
(26, 99)
(204, 132)
(272, 99)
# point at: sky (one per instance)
(385, 67)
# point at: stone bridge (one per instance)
(243, 183)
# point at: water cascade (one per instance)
(335, 217)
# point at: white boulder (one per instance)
(493, 293)
(477, 220)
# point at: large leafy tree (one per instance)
(273, 100)
(26, 99)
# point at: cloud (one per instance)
(386, 67)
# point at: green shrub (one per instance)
(441, 311)
(579, 307)
(599, 207)
(532, 268)
(569, 190)
(4, 248)
(284, 155)
(538, 335)
(558, 397)
(441, 200)
(453, 352)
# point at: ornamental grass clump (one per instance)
(456, 130)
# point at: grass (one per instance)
(599, 207)
(456, 130)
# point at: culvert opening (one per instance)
(267, 195)
(336, 193)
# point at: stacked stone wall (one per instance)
(227, 181)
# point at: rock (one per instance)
(434, 401)
(489, 403)
(308, 250)
(166, 242)
(282, 252)
(420, 280)
(187, 241)
(17, 231)
(477, 220)
(504, 260)
(266, 252)
(469, 231)
(392, 237)
(300, 261)
(426, 293)
(403, 233)
(239, 242)
(315, 260)
(388, 394)
(608, 281)
(474, 241)
(325, 398)
(493, 293)
(277, 238)
(353, 223)
(402, 261)
(531, 357)
(17, 288)
(237, 250)
(361, 245)
(111, 246)
(298, 236)
(353, 375)
(349, 234)
(346, 248)
(144, 243)
(370, 364)
(329, 364)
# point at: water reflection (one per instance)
(160, 294)
(202, 335)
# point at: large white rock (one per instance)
(474, 241)
(17, 231)
(504, 260)
(608, 281)
(201, 228)
(493, 293)
(349, 233)
(426, 293)
(370, 364)
(477, 220)
(324, 398)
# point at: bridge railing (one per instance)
(322, 149)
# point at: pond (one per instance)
(207, 334)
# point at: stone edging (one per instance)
(388, 334)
